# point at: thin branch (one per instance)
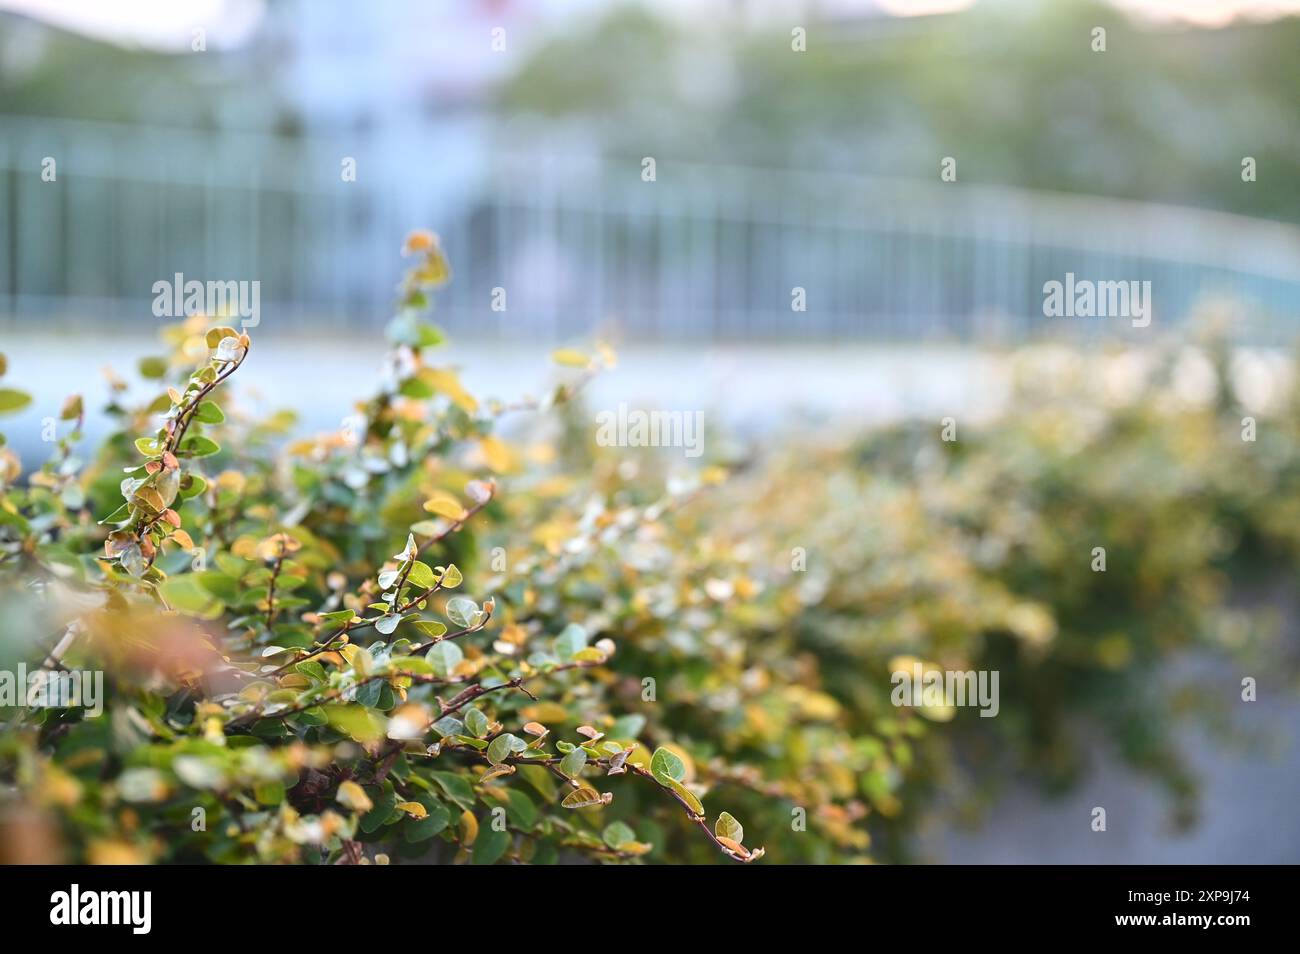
(355, 624)
(552, 763)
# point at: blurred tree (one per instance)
(1015, 92)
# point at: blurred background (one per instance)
(796, 144)
(293, 144)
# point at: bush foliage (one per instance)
(415, 639)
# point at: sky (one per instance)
(169, 24)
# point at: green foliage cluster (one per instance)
(982, 553)
(300, 665)
(783, 602)
(416, 639)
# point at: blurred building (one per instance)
(298, 152)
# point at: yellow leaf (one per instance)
(468, 828)
(544, 712)
(59, 788)
(445, 505)
(353, 796)
(414, 809)
(514, 634)
(552, 534)
(570, 358)
(448, 383)
(498, 455)
(245, 547)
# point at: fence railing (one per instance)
(702, 253)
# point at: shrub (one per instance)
(980, 554)
(433, 636)
(296, 667)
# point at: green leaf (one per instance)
(445, 656)
(384, 803)
(456, 787)
(209, 412)
(416, 830)
(571, 641)
(502, 746)
(462, 611)
(313, 716)
(361, 659)
(416, 665)
(198, 446)
(665, 764)
(727, 827)
(152, 368)
(686, 794)
(572, 764)
(192, 485)
(520, 809)
(627, 727)
(269, 793)
(189, 596)
(312, 670)
(617, 834)
(476, 722)
(11, 400)
(431, 628)
(448, 726)
(368, 693)
(421, 575)
(224, 588)
(117, 515)
(357, 722)
(490, 845)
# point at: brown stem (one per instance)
(270, 589)
(353, 626)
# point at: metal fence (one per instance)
(578, 244)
